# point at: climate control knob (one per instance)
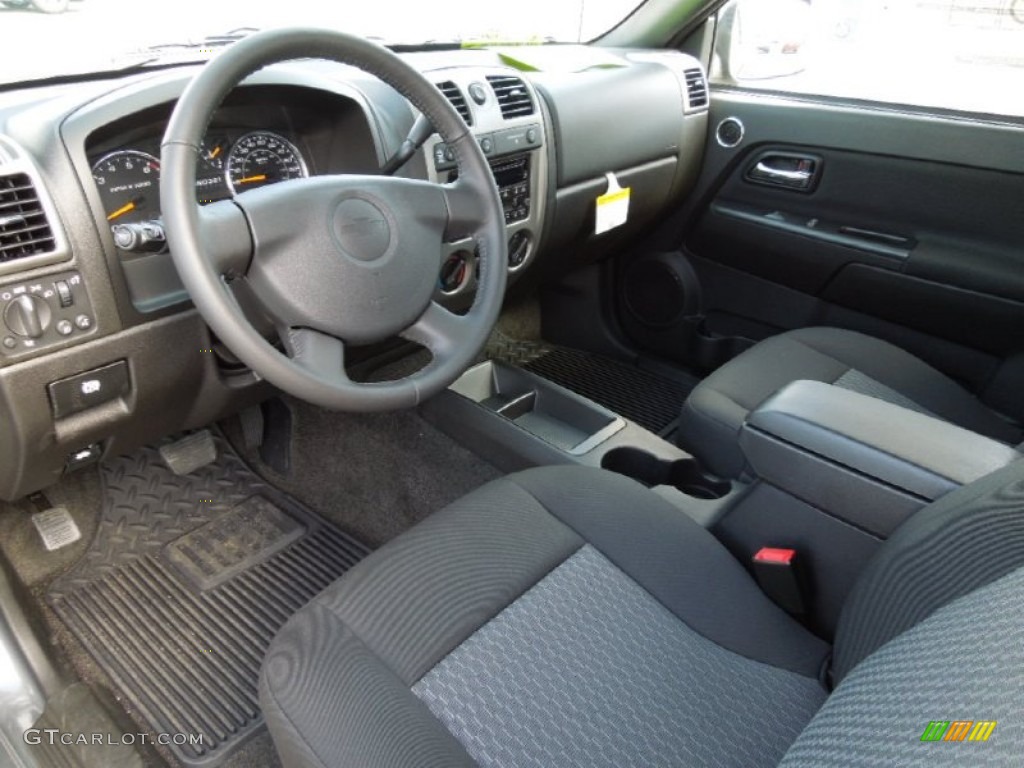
(28, 316)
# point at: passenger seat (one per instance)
(716, 409)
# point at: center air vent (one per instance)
(696, 88)
(513, 96)
(24, 229)
(454, 95)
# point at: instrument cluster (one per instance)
(128, 179)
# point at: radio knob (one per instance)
(28, 316)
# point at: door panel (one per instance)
(911, 228)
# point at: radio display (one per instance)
(507, 174)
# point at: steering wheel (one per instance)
(334, 260)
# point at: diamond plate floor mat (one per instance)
(186, 581)
(651, 400)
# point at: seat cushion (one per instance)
(716, 409)
(554, 617)
(587, 669)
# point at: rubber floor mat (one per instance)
(186, 581)
(649, 399)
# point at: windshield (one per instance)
(49, 38)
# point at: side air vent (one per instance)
(454, 95)
(513, 96)
(24, 229)
(696, 88)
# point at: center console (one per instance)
(504, 114)
(837, 473)
(516, 419)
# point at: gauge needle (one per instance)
(127, 208)
(250, 179)
(215, 152)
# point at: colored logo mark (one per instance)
(958, 730)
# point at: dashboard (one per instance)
(100, 347)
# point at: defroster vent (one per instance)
(696, 88)
(513, 96)
(24, 228)
(454, 95)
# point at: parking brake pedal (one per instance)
(190, 453)
(55, 525)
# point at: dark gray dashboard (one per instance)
(551, 138)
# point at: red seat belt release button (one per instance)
(778, 573)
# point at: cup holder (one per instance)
(685, 475)
(709, 350)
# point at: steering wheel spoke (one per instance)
(466, 210)
(226, 237)
(440, 331)
(318, 353)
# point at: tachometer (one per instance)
(262, 158)
(129, 184)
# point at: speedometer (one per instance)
(129, 183)
(262, 158)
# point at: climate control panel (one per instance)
(43, 312)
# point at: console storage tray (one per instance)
(539, 407)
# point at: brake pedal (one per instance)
(185, 456)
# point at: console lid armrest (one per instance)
(825, 444)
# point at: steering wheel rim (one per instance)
(356, 234)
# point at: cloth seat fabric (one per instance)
(570, 617)
(715, 410)
(561, 596)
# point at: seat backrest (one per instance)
(947, 692)
(964, 541)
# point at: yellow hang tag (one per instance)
(612, 207)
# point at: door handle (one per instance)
(781, 175)
(783, 169)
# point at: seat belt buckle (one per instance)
(780, 576)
